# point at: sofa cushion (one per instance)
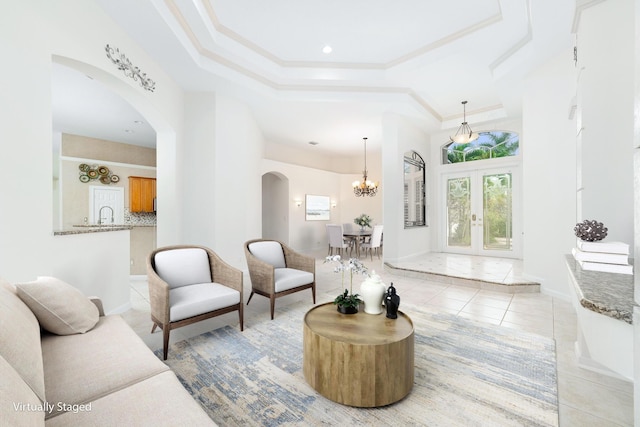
(84, 367)
(19, 405)
(157, 401)
(289, 278)
(20, 339)
(188, 301)
(269, 252)
(180, 267)
(59, 307)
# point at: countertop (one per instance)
(610, 294)
(84, 229)
(94, 228)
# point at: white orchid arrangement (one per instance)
(353, 266)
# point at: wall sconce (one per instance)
(298, 202)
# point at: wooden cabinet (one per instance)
(142, 193)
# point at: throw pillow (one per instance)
(60, 308)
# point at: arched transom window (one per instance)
(489, 145)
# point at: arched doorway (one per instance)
(168, 230)
(275, 206)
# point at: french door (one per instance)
(481, 213)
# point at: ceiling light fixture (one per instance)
(365, 187)
(464, 134)
(327, 49)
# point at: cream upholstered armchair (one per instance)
(277, 270)
(188, 284)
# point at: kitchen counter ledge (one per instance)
(610, 294)
(84, 229)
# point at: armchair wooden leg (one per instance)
(249, 297)
(241, 314)
(313, 293)
(153, 329)
(272, 299)
(165, 338)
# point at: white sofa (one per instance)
(95, 371)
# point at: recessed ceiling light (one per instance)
(313, 143)
(138, 122)
(128, 131)
(327, 49)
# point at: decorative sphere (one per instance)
(590, 230)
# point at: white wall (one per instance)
(221, 182)
(549, 173)
(311, 235)
(400, 137)
(198, 178)
(237, 180)
(275, 207)
(598, 142)
(32, 32)
(96, 264)
(605, 100)
(306, 235)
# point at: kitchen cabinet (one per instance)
(142, 194)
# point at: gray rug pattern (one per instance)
(466, 374)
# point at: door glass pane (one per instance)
(497, 215)
(459, 212)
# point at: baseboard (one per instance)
(120, 309)
(585, 362)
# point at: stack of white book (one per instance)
(611, 257)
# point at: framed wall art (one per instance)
(317, 208)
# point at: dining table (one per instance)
(358, 237)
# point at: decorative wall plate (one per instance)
(93, 174)
(84, 178)
(84, 167)
(103, 170)
(115, 178)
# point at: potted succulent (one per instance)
(347, 301)
(363, 221)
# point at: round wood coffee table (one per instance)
(361, 359)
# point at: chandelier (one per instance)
(464, 134)
(365, 187)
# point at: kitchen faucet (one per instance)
(100, 214)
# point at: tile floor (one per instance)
(586, 398)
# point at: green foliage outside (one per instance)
(489, 145)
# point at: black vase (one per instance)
(347, 309)
(392, 302)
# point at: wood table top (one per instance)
(360, 328)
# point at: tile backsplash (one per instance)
(139, 218)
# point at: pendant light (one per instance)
(365, 187)
(464, 134)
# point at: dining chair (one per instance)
(188, 284)
(374, 242)
(337, 239)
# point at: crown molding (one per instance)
(271, 82)
(581, 6)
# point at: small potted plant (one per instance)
(363, 221)
(347, 301)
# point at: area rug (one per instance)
(466, 374)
